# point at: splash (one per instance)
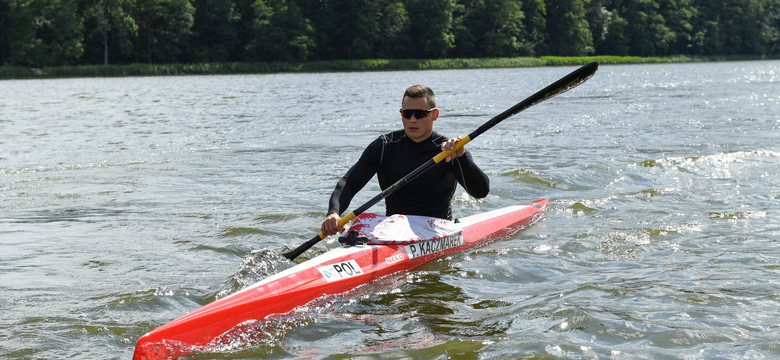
(713, 161)
(258, 265)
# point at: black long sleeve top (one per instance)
(393, 156)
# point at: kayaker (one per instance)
(396, 154)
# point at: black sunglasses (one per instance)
(418, 113)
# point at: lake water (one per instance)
(128, 202)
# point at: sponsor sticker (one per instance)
(428, 247)
(340, 271)
(395, 258)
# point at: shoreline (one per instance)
(123, 70)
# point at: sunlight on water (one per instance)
(129, 202)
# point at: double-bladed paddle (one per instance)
(565, 83)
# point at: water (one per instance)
(128, 202)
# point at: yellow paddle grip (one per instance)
(343, 221)
(443, 155)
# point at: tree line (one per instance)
(39, 33)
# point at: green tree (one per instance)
(616, 41)
(535, 24)
(492, 28)
(278, 31)
(345, 29)
(109, 30)
(679, 16)
(431, 25)
(357, 29)
(4, 12)
(466, 42)
(744, 26)
(771, 27)
(44, 32)
(567, 28)
(647, 33)
(394, 27)
(164, 28)
(215, 30)
(599, 17)
(59, 32)
(254, 21)
(730, 27)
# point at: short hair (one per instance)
(416, 91)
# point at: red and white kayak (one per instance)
(334, 272)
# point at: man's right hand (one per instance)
(331, 225)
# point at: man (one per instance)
(394, 155)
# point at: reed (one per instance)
(16, 72)
(7, 72)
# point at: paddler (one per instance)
(394, 155)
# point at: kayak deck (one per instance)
(334, 272)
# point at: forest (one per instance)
(37, 33)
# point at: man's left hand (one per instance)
(449, 145)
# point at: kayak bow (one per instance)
(334, 272)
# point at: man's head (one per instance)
(418, 112)
(421, 91)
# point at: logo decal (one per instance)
(395, 258)
(423, 248)
(340, 271)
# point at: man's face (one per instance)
(418, 129)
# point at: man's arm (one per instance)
(353, 181)
(471, 177)
(467, 173)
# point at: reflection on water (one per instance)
(128, 202)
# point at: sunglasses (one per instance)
(418, 113)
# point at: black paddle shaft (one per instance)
(565, 83)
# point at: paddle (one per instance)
(565, 83)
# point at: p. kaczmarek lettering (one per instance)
(428, 247)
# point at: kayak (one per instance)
(334, 272)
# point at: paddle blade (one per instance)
(563, 84)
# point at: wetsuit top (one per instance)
(393, 156)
